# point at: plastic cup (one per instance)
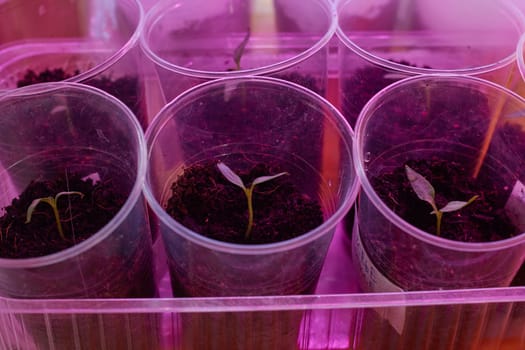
(310, 139)
(193, 41)
(520, 54)
(86, 41)
(385, 41)
(460, 119)
(434, 119)
(228, 120)
(60, 129)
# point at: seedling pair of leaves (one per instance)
(53, 202)
(426, 192)
(248, 191)
(421, 186)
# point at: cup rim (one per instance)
(131, 200)
(160, 8)
(242, 249)
(359, 161)
(121, 52)
(520, 54)
(512, 10)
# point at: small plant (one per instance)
(52, 201)
(248, 191)
(239, 51)
(426, 192)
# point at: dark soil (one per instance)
(206, 202)
(483, 220)
(126, 88)
(306, 81)
(363, 85)
(81, 217)
(46, 76)
(510, 139)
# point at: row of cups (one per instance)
(199, 95)
(175, 45)
(143, 97)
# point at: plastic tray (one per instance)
(331, 319)
(338, 316)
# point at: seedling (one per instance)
(426, 192)
(239, 51)
(52, 201)
(248, 191)
(237, 55)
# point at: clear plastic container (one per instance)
(439, 123)
(63, 133)
(385, 41)
(337, 317)
(520, 56)
(193, 41)
(87, 41)
(227, 120)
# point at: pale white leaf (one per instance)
(456, 205)
(453, 206)
(423, 189)
(230, 175)
(262, 179)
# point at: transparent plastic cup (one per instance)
(385, 41)
(450, 119)
(193, 41)
(520, 55)
(87, 41)
(306, 134)
(229, 120)
(67, 130)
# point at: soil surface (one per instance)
(307, 81)
(363, 85)
(483, 220)
(125, 88)
(46, 76)
(81, 216)
(206, 202)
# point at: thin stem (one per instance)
(249, 195)
(439, 215)
(237, 181)
(59, 223)
(53, 203)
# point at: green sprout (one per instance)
(52, 201)
(239, 50)
(426, 192)
(248, 191)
